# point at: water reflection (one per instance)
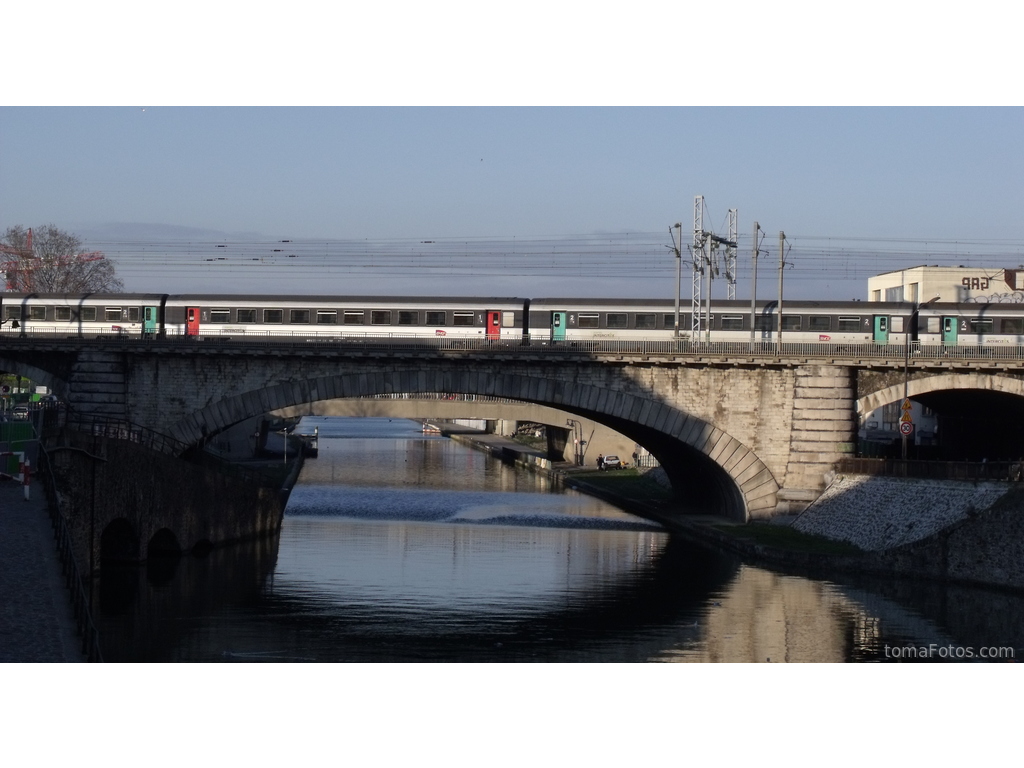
(401, 547)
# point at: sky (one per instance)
(558, 193)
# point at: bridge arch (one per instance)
(56, 383)
(704, 463)
(941, 383)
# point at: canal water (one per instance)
(400, 546)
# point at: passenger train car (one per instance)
(540, 321)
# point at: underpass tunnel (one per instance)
(974, 425)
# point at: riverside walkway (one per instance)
(36, 620)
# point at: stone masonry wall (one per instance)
(101, 479)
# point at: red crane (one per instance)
(17, 268)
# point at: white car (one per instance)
(20, 413)
(612, 462)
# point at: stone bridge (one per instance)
(739, 435)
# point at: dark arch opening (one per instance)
(119, 574)
(699, 485)
(163, 544)
(202, 548)
(162, 556)
(976, 424)
(119, 544)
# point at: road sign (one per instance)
(906, 428)
(906, 419)
(906, 405)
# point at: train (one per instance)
(527, 321)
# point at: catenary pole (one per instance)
(782, 265)
(753, 289)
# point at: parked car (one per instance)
(20, 413)
(612, 462)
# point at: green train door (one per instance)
(949, 331)
(149, 320)
(558, 326)
(881, 329)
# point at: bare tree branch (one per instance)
(55, 263)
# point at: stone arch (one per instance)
(941, 383)
(40, 376)
(731, 477)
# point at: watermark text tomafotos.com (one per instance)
(953, 652)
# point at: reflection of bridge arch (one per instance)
(708, 467)
(940, 383)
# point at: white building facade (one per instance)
(959, 285)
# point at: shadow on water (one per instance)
(147, 612)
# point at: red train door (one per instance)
(192, 321)
(493, 325)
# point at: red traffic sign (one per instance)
(906, 427)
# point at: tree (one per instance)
(49, 260)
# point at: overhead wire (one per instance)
(625, 256)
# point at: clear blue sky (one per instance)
(854, 188)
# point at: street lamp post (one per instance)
(911, 329)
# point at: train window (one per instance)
(981, 325)
(37, 313)
(764, 323)
(589, 321)
(933, 324)
(62, 313)
(326, 317)
(408, 317)
(645, 320)
(12, 313)
(732, 322)
(508, 319)
(819, 323)
(247, 315)
(1012, 325)
(435, 318)
(353, 317)
(380, 317)
(133, 314)
(300, 316)
(273, 315)
(618, 320)
(220, 315)
(849, 323)
(670, 320)
(112, 314)
(88, 314)
(791, 322)
(462, 318)
(896, 324)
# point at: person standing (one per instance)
(600, 463)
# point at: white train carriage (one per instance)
(956, 325)
(852, 322)
(92, 314)
(333, 317)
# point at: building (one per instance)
(948, 284)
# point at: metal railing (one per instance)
(516, 346)
(72, 575)
(1012, 471)
(119, 429)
